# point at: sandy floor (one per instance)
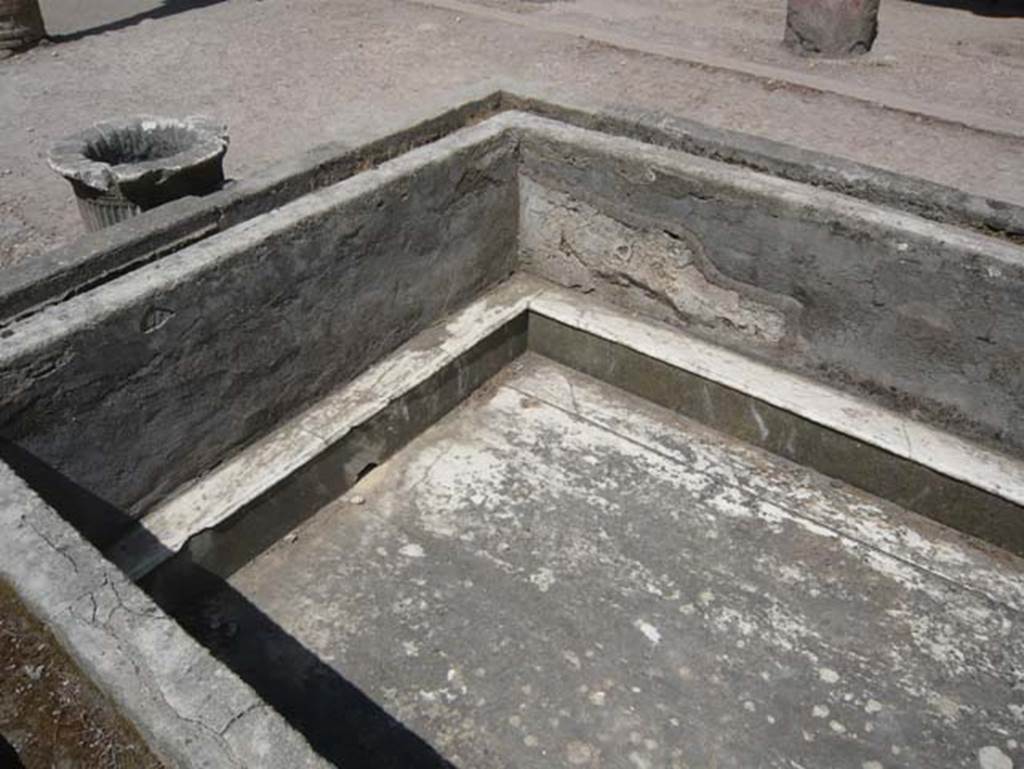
(289, 74)
(49, 712)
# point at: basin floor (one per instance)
(560, 574)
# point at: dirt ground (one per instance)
(49, 712)
(939, 97)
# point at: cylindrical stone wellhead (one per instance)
(21, 26)
(121, 167)
(832, 28)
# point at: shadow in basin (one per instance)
(1004, 9)
(166, 8)
(341, 722)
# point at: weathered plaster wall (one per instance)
(926, 316)
(149, 380)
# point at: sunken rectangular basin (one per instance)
(541, 446)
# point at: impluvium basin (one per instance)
(533, 446)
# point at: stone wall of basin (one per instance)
(147, 381)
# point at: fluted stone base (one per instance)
(832, 28)
(21, 26)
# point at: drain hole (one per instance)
(366, 471)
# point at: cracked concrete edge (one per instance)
(190, 709)
(96, 257)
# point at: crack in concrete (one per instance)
(145, 675)
(59, 550)
(258, 705)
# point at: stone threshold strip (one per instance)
(254, 498)
(100, 257)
